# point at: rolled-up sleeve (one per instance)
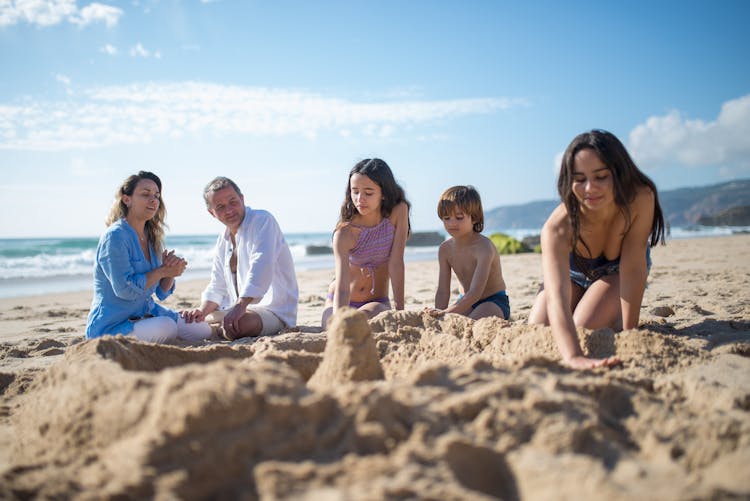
(114, 260)
(161, 293)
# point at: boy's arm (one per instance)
(443, 293)
(484, 254)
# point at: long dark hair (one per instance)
(627, 178)
(155, 227)
(379, 172)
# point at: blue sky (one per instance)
(285, 97)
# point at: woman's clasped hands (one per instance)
(172, 265)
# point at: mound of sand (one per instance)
(404, 406)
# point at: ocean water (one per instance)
(30, 266)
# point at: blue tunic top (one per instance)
(119, 283)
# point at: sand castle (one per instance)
(402, 406)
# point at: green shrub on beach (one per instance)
(507, 245)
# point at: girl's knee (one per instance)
(373, 309)
(327, 313)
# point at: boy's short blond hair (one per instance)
(465, 198)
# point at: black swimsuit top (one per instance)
(595, 267)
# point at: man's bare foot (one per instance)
(218, 333)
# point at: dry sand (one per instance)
(403, 407)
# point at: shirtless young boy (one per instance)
(472, 256)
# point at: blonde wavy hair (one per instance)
(155, 227)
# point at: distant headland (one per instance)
(724, 204)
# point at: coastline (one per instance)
(459, 409)
(35, 266)
(66, 312)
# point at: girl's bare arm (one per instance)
(342, 245)
(396, 272)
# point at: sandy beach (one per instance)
(401, 407)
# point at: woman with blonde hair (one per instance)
(132, 266)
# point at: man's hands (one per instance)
(232, 320)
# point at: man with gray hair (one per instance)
(253, 289)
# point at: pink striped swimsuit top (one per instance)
(373, 247)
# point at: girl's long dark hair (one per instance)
(379, 172)
(627, 178)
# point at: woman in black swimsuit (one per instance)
(595, 245)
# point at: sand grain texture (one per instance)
(404, 406)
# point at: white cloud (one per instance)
(108, 49)
(97, 12)
(52, 12)
(65, 80)
(139, 113)
(673, 139)
(139, 51)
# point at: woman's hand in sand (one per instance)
(583, 363)
(433, 312)
(191, 316)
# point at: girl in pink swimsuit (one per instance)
(369, 241)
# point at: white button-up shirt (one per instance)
(265, 269)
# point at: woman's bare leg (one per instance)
(600, 305)
(538, 313)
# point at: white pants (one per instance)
(271, 323)
(164, 330)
